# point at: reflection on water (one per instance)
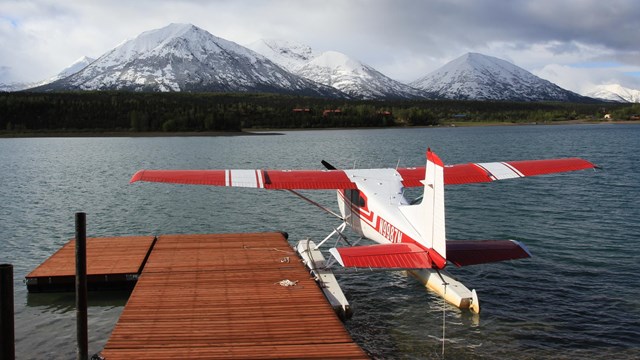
(576, 298)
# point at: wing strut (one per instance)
(314, 203)
(338, 231)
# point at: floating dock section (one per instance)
(112, 264)
(227, 296)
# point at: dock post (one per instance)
(81, 286)
(7, 337)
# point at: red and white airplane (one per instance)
(410, 236)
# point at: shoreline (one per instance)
(550, 123)
(66, 134)
(277, 131)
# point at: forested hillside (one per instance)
(175, 112)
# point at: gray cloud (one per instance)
(423, 24)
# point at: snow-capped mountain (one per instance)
(615, 92)
(480, 77)
(334, 69)
(288, 54)
(183, 57)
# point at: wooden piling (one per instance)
(82, 332)
(7, 327)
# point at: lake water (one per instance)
(577, 297)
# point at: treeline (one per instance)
(174, 112)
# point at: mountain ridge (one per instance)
(615, 92)
(335, 69)
(183, 57)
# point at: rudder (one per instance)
(428, 216)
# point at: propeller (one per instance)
(328, 166)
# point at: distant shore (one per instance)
(49, 134)
(262, 132)
(560, 122)
(460, 124)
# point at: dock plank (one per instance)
(219, 296)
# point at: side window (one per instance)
(357, 199)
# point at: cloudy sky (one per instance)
(573, 43)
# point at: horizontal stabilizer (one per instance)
(472, 252)
(384, 256)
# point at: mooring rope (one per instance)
(444, 309)
(444, 315)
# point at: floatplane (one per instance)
(409, 235)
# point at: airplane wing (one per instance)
(492, 171)
(263, 179)
(339, 179)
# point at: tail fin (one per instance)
(428, 216)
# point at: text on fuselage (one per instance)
(390, 232)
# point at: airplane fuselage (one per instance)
(372, 210)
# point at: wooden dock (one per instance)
(222, 296)
(112, 263)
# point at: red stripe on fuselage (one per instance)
(362, 212)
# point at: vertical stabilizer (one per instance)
(428, 216)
